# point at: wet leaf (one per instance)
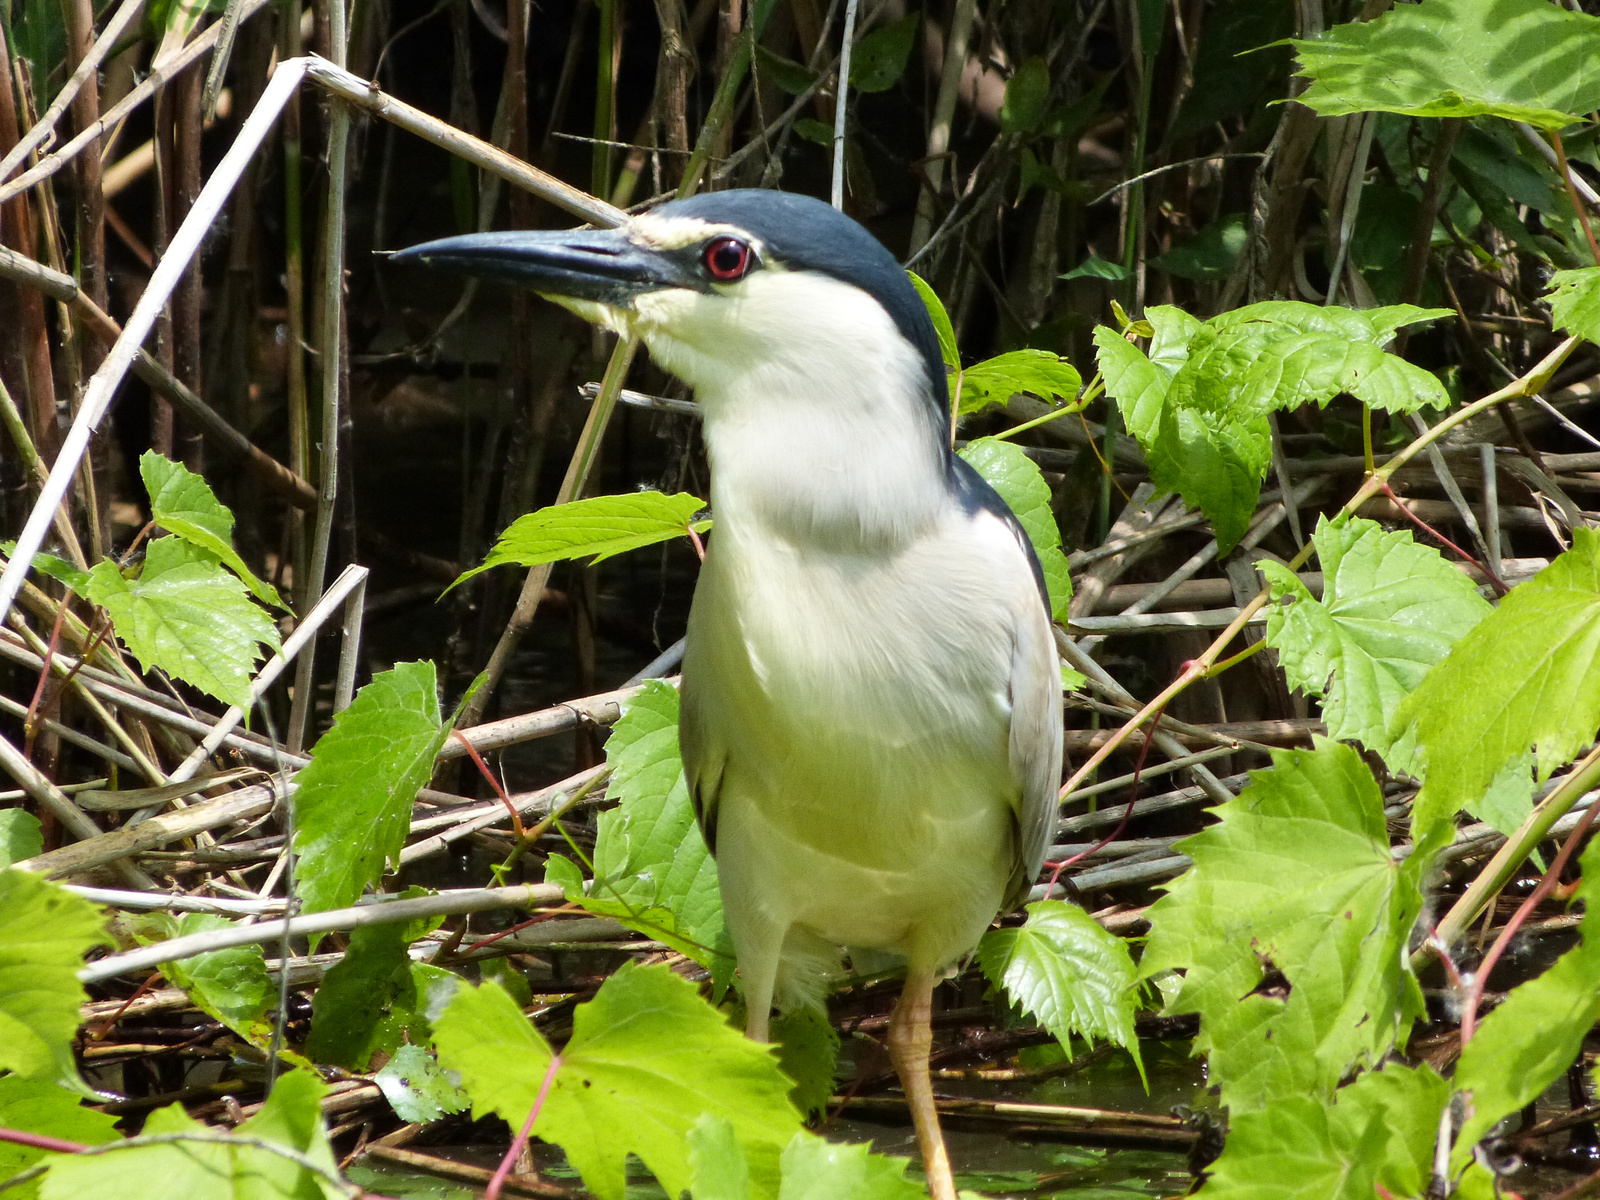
(417, 1088)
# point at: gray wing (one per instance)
(1035, 741)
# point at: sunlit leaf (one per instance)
(416, 1088)
(1527, 677)
(182, 503)
(211, 1163)
(941, 321)
(368, 1000)
(1390, 610)
(230, 985)
(44, 932)
(816, 1169)
(1575, 302)
(188, 616)
(1095, 267)
(1297, 874)
(1016, 478)
(37, 1106)
(647, 1059)
(1524, 60)
(808, 1052)
(1211, 253)
(1067, 971)
(996, 380)
(595, 529)
(58, 569)
(353, 806)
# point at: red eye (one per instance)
(726, 258)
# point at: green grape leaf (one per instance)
(1575, 302)
(1390, 610)
(1068, 972)
(1211, 253)
(21, 836)
(417, 1088)
(187, 616)
(808, 1052)
(183, 504)
(368, 1000)
(813, 1168)
(1027, 93)
(230, 985)
(354, 801)
(817, 1169)
(1199, 408)
(1524, 60)
(58, 569)
(44, 932)
(941, 321)
(1295, 1151)
(595, 529)
(1533, 1036)
(1406, 1102)
(1296, 874)
(1015, 476)
(35, 1106)
(996, 380)
(879, 59)
(653, 871)
(647, 1058)
(211, 1163)
(1527, 677)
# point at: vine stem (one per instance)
(1469, 1010)
(503, 1171)
(1535, 380)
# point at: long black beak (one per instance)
(599, 265)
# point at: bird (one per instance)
(871, 699)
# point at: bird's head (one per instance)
(730, 289)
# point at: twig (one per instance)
(841, 96)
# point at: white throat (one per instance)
(815, 409)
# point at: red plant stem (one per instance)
(521, 925)
(1127, 813)
(699, 546)
(39, 1142)
(503, 1171)
(1469, 1010)
(1494, 581)
(516, 818)
(110, 1022)
(30, 722)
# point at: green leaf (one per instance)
(187, 616)
(814, 130)
(718, 1166)
(596, 529)
(1407, 1103)
(647, 1058)
(21, 836)
(1027, 93)
(1211, 253)
(1575, 302)
(353, 806)
(44, 932)
(1016, 478)
(879, 59)
(941, 321)
(58, 569)
(182, 503)
(1238, 62)
(1296, 874)
(368, 1000)
(1295, 1151)
(230, 985)
(1527, 677)
(653, 871)
(808, 1053)
(1066, 970)
(816, 1169)
(791, 77)
(1095, 267)
(1390, 610)
(1533, 1036)
(417, 1088)
(35, 1106)
(1198, 401)
(1524, 60)
(211, 1164)
(996, 380)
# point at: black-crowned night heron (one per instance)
(871, 714)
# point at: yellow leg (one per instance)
(910, 1039)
